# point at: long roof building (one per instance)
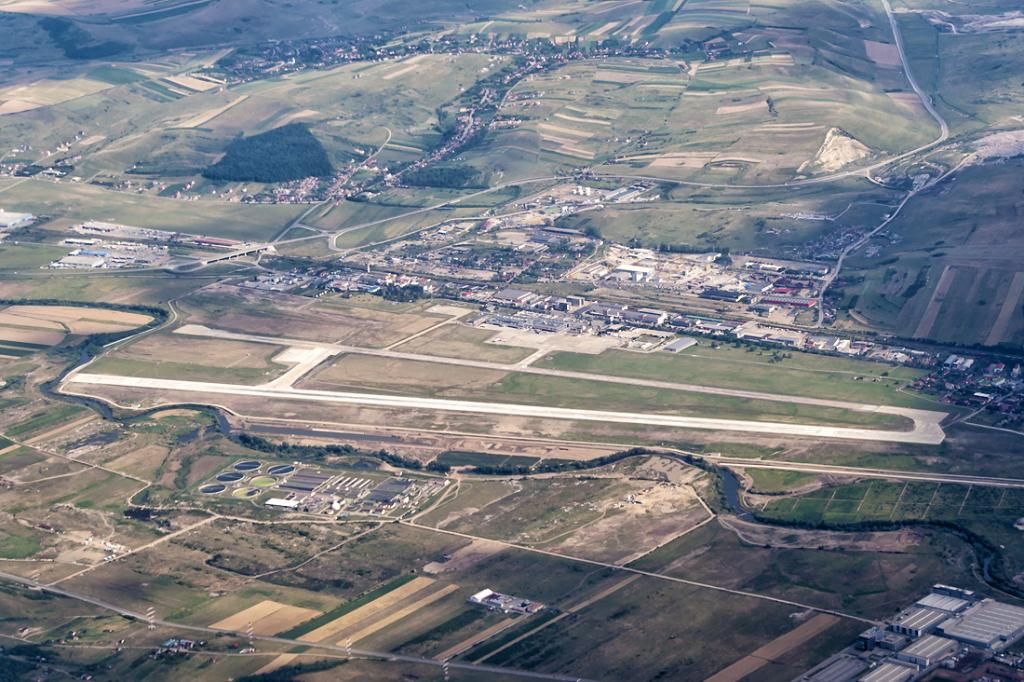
(988, 624)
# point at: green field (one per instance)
(740, 219)
(989, 512)
(155, 288)
(895, 501)
(806, 374)
(966, 232)
(81, 202)
(460, 341)
(772, 481)
(130, 367)
(419, 378)
(824, 571)
(18, 543)
(52, 416)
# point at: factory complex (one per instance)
(950, 629)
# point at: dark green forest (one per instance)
(290, 152)
(455, 176)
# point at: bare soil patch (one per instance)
(79, 320)
(884, 54)
(267, 618)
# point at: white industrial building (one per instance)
(280, 503)
(928, 651)
(9, 221)
(988, 624)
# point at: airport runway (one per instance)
(926, 423)
(922, 433)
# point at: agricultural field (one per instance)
(891, 501)
(948, 268)
(956, 66)
(152, 28)
(168, 127)
(28, 329)
(253, 466)
(802, 105)
(628, 633)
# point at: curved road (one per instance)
(929, 106)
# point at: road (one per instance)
(926, 100)
(637, 571)
(921, 434)
(864, 472)
(353, 652)
(297, 222)
(929, 105)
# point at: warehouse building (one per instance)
(680, 344)
(938, 630)
(917, 621)
(943, 602)
(9, 221)
(715, 294)
(281, 503)
(838, 669)
(793, 301)
(636, 273)
(928, 651)
(988, 624)
(890, 671)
